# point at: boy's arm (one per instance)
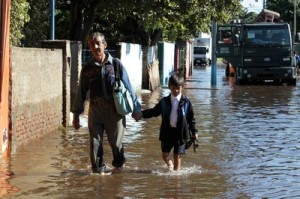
(152, 112)
(192, 121)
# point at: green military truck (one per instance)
(260, 51)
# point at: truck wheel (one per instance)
(239, 81)
(236, 80)
(227, 70)
(293, 82)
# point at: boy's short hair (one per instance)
(176, 79)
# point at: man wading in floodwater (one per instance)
(97, 76)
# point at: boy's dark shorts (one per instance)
(166, 147)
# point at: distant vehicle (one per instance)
(202, 50)
(260, 51)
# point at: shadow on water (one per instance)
(249, 148)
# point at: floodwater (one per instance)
(249, 148)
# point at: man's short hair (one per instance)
(95, 35)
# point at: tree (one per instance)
(62, 19)
(83, 16)
(136, 21)
(37, 28)
(18, 18)
(247, 17)
(146, 21)
(286, 10)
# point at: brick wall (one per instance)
(36, 106)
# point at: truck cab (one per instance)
(260, 52)
(227, 46)
(202, 49)
(201, 55)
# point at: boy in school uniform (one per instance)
(177, 122)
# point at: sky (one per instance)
(253, 5)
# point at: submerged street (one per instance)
(249, 148)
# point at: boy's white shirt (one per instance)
(174, 114)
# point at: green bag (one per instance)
(122, 97)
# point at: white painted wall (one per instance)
(168, 61)
(131, 57)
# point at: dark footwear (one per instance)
(103, 170)
(118, 169)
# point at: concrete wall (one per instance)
(131, 57)
(188, 61)
(65, 45)
(166, 56)
(36, 106)
(150, 70)
(183, 61)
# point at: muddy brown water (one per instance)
(249, 148)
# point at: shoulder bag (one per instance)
(122, 97)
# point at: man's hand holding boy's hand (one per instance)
(137, 116)
(196, 136)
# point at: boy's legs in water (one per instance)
(177, 162)
(178, 150)
(169, 162)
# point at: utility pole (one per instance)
(213, 54)
(295, 22)
(52, 20)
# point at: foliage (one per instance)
(18, 17)
(286, 10)
(137, 21)
(247, 17)
(147, 21)
(37, 28)
(62, 19)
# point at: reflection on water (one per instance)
(249, 148)
(5, 187)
